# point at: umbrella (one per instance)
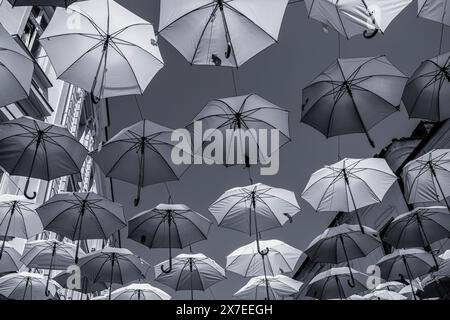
(436, 285)
(17, 219)
(139, 291)
(42, 3)
(428, 89)
(81, 216)
(113, 265)
(390, 286)
(445, 255)
(352, 96)
(16, 70)
(419, 228)
(342, 244)
(349, 185)
(407, 291)
(112, 51)
(86, 286)
(406, 264)
(153, 228)
(279, 287)
(334, 284)
(190, 272)
(243, 113)
(384, 295)
(27, 286)
(270, 208)
(353, 17)
(219, 32)
(141, 155)
(10, 261)
(426, 178)
(36, 149)
(49, 254)
(435, 10)
(278, 258)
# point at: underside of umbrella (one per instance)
(52, 3)
(435, 10)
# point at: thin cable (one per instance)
(168, 193)
(234, 82)
(139, 107)
(338, 137)
(442, 38)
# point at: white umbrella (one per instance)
(220, 32)
(18, 218)
(445, 255)
(279, 287)
(10, 260)
(349, 185)
(253, 209)
(112, 51)
(391, 286)
(139, 291)
(16, 70)
(352, 17)
(384, 295)
(427, 178)
(190, 272)
(27, 286)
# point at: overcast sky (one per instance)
(180, 91)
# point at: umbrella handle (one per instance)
(436, 263)
(138, 197)
(169, 270)
(370, 35)
(25, 191)
(264, 252)
(94, 99)
(351, 282)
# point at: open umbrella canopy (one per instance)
(279, 287)
(349, 185)
(352, 96)
(139, 291)
(428, 89)
(190, 272)
(390, 286)
(353, 17)
(113, 265)
(445, 255)
(220, 32)
(384, 295)
(37, 149)
(10, 260)
(140, 154)
(426, 178)
(335, 284)
(16, 70)
(419, 228)
(53, 3)
(27, 286)
(249, 113)
(435, 10)
(437, 284)
(18, 218)
(113, 51)
(248, 262)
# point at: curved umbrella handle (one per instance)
(436, 263)
(351, 282)
(228, 53)
(25, 191)
(94, 98)
(138, 197)
(370, 35)
(169, 270)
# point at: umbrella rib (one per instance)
(205, 6)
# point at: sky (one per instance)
(179, 91)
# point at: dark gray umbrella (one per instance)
(342, 244)
(419, 228)
(141, 155)
(428, 90)
(85, 286)
(10, 260)
(335, 284)
(36, 149)
(81, 216)
(437, 284)
(113, 265)
(168, 226)
(52, 3)
(352, 96)
(406, 264)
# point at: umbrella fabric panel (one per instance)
(428, 89)
(406, 232)
(16, 69)
(25, 222)
(436, 10)
(338, 244)
(385, 295)
(139, 291)
(393, 267)
(27, 286)
(61, 214)
(10, 261)
(151, 227)
(279, 287)
(250, 25)
(39, 254)
(59, 152)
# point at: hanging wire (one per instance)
(441, 41)
(139, 107)
(170, 198)
(234, 81)
(338, 137)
